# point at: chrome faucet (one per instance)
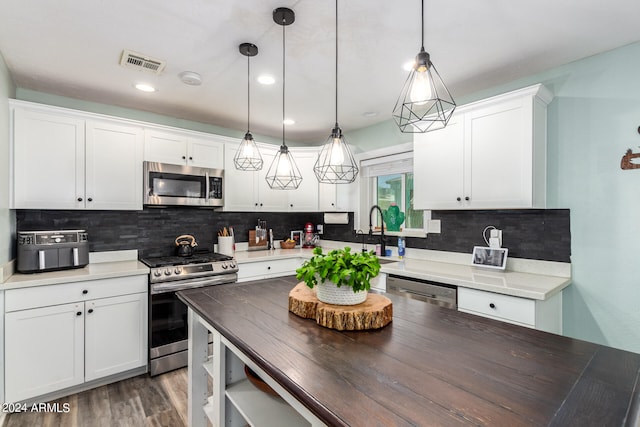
(382, 244)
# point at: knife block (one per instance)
(260, 244)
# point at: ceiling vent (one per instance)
(141, 62)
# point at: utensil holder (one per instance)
(225, 245)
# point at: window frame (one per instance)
(367, 186)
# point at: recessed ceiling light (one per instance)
(370, 113)
(266, 79)
(407, 66)
(289, 122)
(144, 87)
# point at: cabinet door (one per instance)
(438, 167)
(115, 335)
(305, 197)
(327, 197)
(500, 156)
(113, 166)
(337, 197)
(48, 162)
(165, 147)
(268, 199)
(240, 187)
(205, 153)
(43, 350)
(2, 348)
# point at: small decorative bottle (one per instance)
(400, 247)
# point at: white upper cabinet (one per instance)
(305, 197)
(48, 160)
(249, 191)
(267, 199)
(240, 187)
(64, 160)
(113, 166)
(183, 148)
(491, 155)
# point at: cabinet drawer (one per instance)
(42, 296)
(498, 306)
(264, 269)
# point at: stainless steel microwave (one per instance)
(175, 185)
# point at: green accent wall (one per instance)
(380, 135)
(592, 121)
(7, 216)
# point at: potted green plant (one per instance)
(342, 277)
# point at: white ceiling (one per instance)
(72, 48)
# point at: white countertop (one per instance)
(526, 285)
(514, 283)
(265, 255)
(94, 271)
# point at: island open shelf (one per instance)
(232, 400)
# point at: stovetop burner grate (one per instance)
(201, 258)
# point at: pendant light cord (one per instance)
(336, 63)
(248, 93)
(283, 78)
(422, 20)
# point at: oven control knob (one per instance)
(167, 272)
(224, 265)
(233, 264)
(178, 270)
(157, 273)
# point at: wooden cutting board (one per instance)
(376, 312)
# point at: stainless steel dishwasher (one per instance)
(424, 290)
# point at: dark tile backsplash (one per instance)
(542, 234)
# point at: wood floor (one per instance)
(139, 401)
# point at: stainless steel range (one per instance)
(168, 329)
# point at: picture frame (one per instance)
(486, 257)
(297, 237)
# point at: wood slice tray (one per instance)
(376, 312)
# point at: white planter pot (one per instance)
(329, 293)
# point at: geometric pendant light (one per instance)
(425, 103)
(248, 156)
(283, 174)
(335, 163)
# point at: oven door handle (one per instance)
(179, 285)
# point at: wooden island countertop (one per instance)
(429, 366)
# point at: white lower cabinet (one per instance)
(379, 283)
(267, 269)
(53, 347)
(545, 315)
(2, 349)
(44, 350)
(115, 335)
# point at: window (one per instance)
(398, 189)
(387, 179)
